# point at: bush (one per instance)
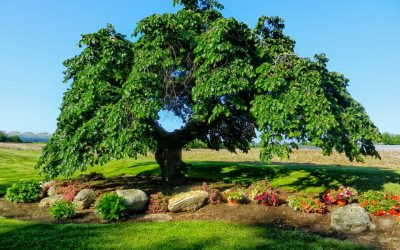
(380, 203)
(69, 190)
(111, 207)
(235, 195)
(14, 138)
(347, 194)
(158, 203)
(263, 193)
(308, 205)
(62, 209)
(215, 196)
(24, 191)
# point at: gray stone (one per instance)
(351, 218)
(189, 201)
(136, 199)
(84, 198)
(51, 191)
(47, 202)
(157, 217)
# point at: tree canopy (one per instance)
(224, 79)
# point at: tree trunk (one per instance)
(169, 157)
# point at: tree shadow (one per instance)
(297, 177)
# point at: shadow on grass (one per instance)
(296, 177)
(169, 235)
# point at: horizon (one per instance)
(40, 36)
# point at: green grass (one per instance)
(304, 178)
(169, 235)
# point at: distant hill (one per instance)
(31, 137)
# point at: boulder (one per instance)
(51, 191)
(84, 198)
(351, 218)
(189, 201)
(135, 198)
(47, 202)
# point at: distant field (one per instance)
(307, 171)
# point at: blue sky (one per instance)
(361, 38)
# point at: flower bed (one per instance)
(380, 203)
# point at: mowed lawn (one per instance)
(304, 178)
(168, 235)
(223, 166)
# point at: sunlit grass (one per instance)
(169, 235)
(304, 178)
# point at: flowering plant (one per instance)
(308, 205)
(158, 203)
(235, 195)
(347, 194)
(69, 190)
(214, 195)
(380, 203)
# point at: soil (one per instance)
(386, 235)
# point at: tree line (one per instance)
(12, 138)
(390, 139)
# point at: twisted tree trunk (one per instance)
(169, 156)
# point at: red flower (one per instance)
(392, 211)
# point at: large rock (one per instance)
(84, 198)
(189, 201)
(351, 218)
(51, 191)
(47, 202)
(136, 199)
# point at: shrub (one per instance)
(380, 203)
(24, 191)
(348, 194)
(111, 207)
(308, 205)
(214, 195)
(69, 190)
(263, 193)
(235, 195)
(62, 209)
(158, 203)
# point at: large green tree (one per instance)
(224, 79)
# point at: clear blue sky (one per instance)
(361, 38)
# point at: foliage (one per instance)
(390, 139)
(224, 79)
(14, 138)
(158, 203)
(235, 195)
(348, 194)
(214, 195)
(380, 203)
(196, 144)
(69, 190)
(62, 209)
(307, 204)
(24, 191)
(263, 193)
(111, 207)
(3, 137)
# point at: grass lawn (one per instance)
(169, 235)
(304, 178)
